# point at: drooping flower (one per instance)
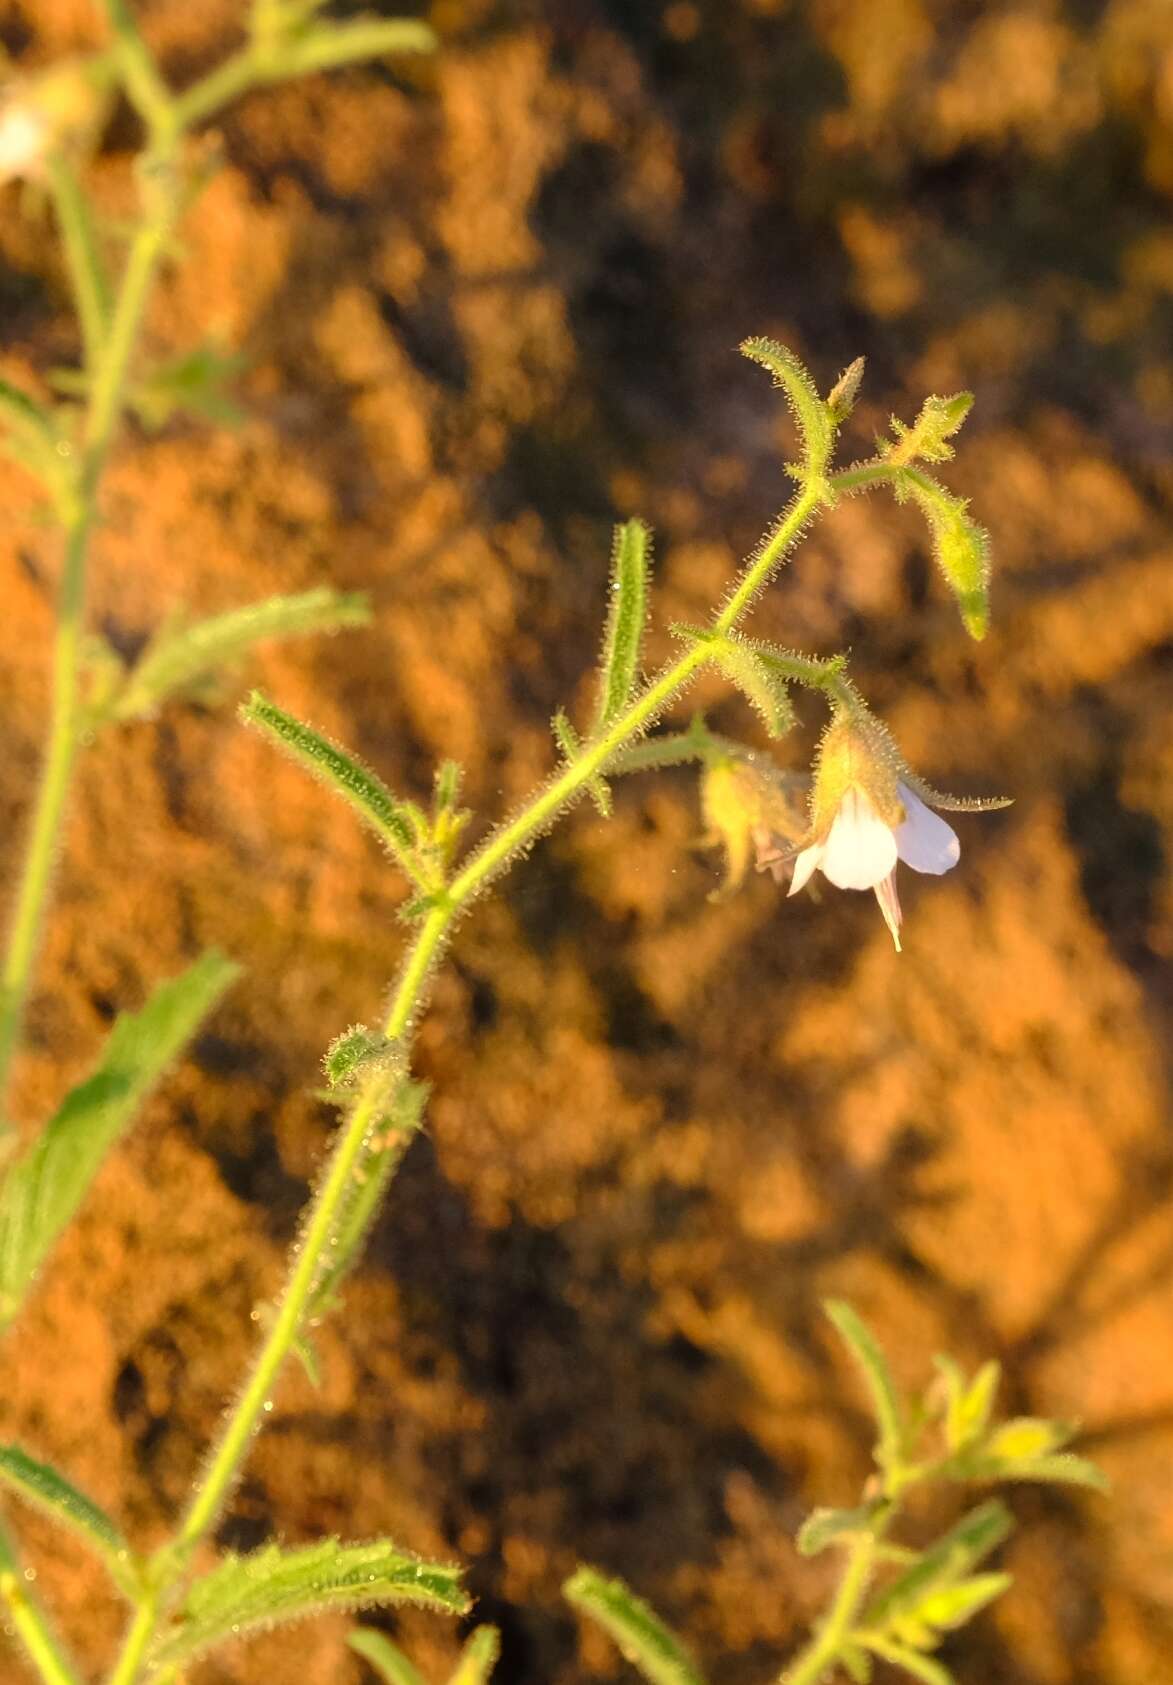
(42, 115)
(869, 811)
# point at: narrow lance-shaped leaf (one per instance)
(341, 772)
(478, 1658)
(567, 740)
(815, 425)
(960, 546)
(946, 1561)
(40, 1485)
(387, 1659)
(627, 615)
(249, 1593)
(865, 1349)
(637, 1630)
(924, 1668)
(44, 1187)
(761, 685)
(184, 658)
(400, 1118)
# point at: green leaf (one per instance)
(478, 1658)
(967, 1405)
(185, 658)
(944, 1563)
(810, 412)
(639, 1633)
(44, 1187)
(400, 1118)
(865, 1349)
(356, 1053)
(761, 685)
(40, 1485)
(194, 382)
(387, 1659)
(960, 546)
(567, 740)
(1026, 1438)
(362, 789)
(246, 1594)
(927, 440)
(1063, 1468)
(631, 556)
(824, 1527)
(33, 438)
(953, 1605)
(925, 1668)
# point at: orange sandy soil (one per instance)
(489, 306)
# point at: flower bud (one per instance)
(748, 806)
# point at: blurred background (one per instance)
(489, 305)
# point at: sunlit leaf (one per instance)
(627, 615)
(40, 1485)
(865, 1349)
(636, 1629)
(810, 412)
(341, 772)
(185, 657)
(44, 1187)
(247, 1594)
(478, 1658)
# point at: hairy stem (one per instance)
(107, 394)
(500, 849)
(813, 1664)
(90, 288)
(28, 1623)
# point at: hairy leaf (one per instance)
(339, 771)
(810, 412)
(760, 683)
(865, 1349)
(44, 1187)
(249, 1593)
(478, 1658)
(636, 1629)
(960, 546)
(183, 658)
(627, 614)
(944, 1563)
(824, 1527)
(42, 1486)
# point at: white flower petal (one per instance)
(804, 866)
(924, 841)
(860, 849)
(890, 905)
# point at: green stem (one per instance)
(29, 1623)
(146, 89)
(502, 846)
(821, 1654)
(138, 1637)
(217, 89)
(105, 406)
(91, 288)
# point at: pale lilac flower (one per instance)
(869, 810)
(860, 850)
